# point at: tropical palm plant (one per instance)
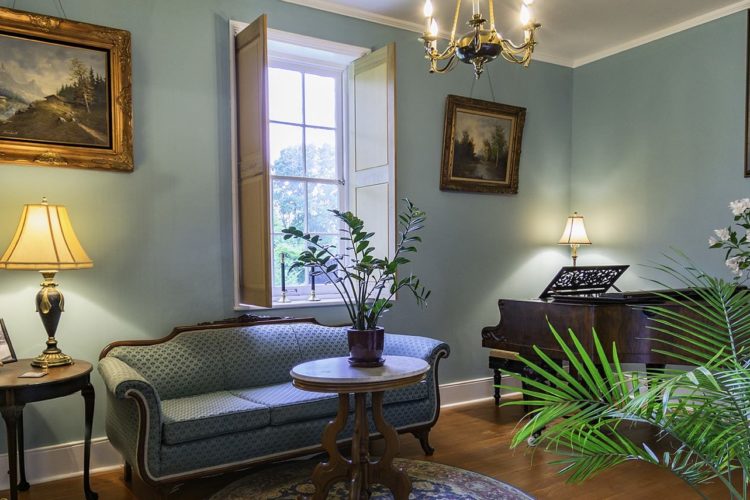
(701, 412)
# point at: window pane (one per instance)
(286, 150)
(321, 153)
(284, 95)
(288, 204)
(292, 248)
(327, 240)
(322, 198)
(320, 100)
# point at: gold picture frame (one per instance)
(481, 146)
(65, 93)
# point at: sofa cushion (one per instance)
(318, 342)
(187, 365)
(210, 415)
(289, 404)
(260, 355)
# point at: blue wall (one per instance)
(658, 138)
(160, 236)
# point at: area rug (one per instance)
(429, 480)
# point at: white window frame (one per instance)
(323, 291)
(293, 50)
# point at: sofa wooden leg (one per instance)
(424, 440)
(127, 473)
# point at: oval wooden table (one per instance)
(335, 375)
(16, 392)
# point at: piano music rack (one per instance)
(583, 280)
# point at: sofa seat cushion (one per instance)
(210, 415)
(289, 404)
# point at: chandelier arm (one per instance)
(492, 16)
(512, 58)
(455, 21)
(439, 56)
(448, 65)
(512, 47)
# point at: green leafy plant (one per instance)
(701, 413)
(366, 284)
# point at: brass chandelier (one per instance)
(479, 45)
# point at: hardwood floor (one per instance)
(473, 437)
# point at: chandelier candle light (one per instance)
(479, 45)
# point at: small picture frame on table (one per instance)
(7, 354)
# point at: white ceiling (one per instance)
(574, 32)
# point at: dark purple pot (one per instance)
(366, 347)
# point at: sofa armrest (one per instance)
(134, 419)
(418, 347)
(120, 378)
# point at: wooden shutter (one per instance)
(372, 145)
(253, 164)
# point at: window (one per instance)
(307, 179)
(314, 129)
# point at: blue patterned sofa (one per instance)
(217, 397)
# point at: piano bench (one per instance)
(503, 360)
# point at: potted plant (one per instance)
(700, 411)
(366, 284)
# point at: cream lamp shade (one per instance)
(574, 235)
(575, 231)
(45, 241)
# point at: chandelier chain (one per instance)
(59, 3)
(492, 88)
(455, 21)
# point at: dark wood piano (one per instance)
(618, 318)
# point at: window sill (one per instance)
(295, 303)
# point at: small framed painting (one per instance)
(481, 146)
(7, 354)
(65, 93)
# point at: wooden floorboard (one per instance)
(474, 437)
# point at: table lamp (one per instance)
(574, 235)
(45, 241)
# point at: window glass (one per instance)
(284, 95)
(321, 198)
(286, 150)
(291, 248)
(288, 204)
(320, 153)
(305, 167)
(320, 100)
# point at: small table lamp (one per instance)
(574, 235)
(45, 241)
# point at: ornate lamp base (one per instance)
(51, 359)
(50, 305)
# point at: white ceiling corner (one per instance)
(573, 33)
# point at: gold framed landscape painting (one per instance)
(65, 93)
(481, 146)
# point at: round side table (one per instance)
(335, 375)
(16, 392)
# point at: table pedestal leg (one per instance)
(88, 398)
(12, 414)
(360, 484)
(337, 467)
(383, 471)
